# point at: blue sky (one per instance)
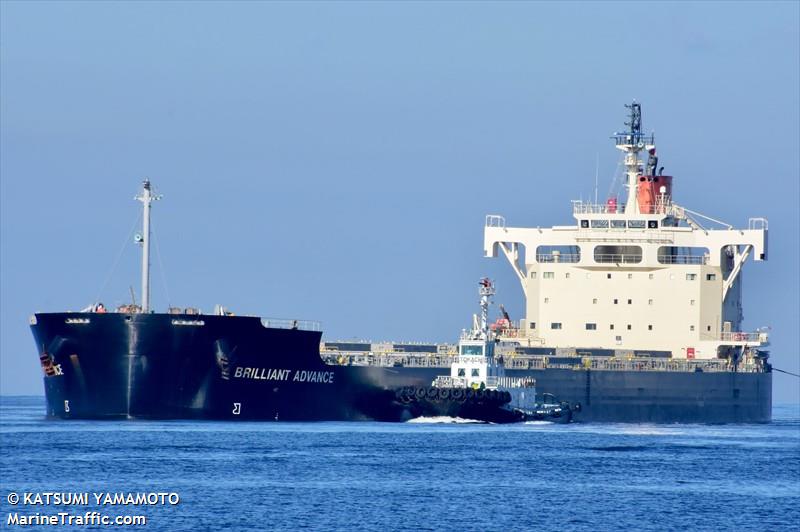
(335, 161)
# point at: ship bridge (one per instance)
(644, 275)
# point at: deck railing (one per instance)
(537, 362)
(283, 323)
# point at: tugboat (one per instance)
(478, 388)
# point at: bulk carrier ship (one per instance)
(634, 312)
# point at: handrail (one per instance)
(495, 220)
(624, 258)
(683, 259)
(761, 337)
(533, 362)
(283, 323)
(562, 257)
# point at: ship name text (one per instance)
(272, 374)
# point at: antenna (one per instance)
(632, 142)
(596, 174)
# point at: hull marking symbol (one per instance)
(237, 409)
(66, 405)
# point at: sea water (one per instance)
(430, 475)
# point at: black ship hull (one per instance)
(116, 365)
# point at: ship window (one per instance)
(708, 328)
(594, 301)
(711, 276)
(691, 276)
(533, 325)
(629, 326)
(462, 372)
(649, 327)
(602, 224)
(591, 326)
(608, 276)
(636, 224)
(616, 301)
(691, 327)
(618, 338)
(547, 300)
(618, 224)
(475, 350)
(611, 327)
(691, 302)
(555, 325)
(649, 301)
(558, 254)
(650, 276)
(567, 275)
(618, 254)
(652, 224)
(548, 275)
(630, 276)
(630, 301)
(475, 372)
(533, 275)
(585, 224)
(683, 255)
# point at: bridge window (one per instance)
(569, 254)
(591, 326)
(600, 224)
(691, 276)
(555, 325)
(683, 255)
(548, 275)
(618, 224)
(636, 224)
(711, 276)
(618, 254)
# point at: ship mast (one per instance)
(486, 291)
(632, 142)
(146, 197)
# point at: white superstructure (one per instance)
(645, 275)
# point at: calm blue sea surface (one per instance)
(410, 476)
